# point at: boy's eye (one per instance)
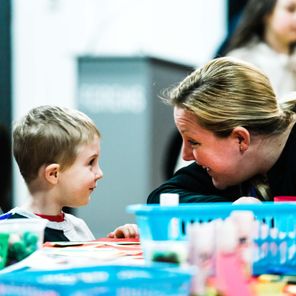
(92, 161)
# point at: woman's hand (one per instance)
(125, 231)
(247, 200)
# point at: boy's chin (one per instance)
(81, 203)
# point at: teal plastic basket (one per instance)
(275, 251)
(99, 280)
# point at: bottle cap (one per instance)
(227, 237)
(169, 199)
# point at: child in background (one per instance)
(266, 37)
(57, 151)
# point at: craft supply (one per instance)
(201, 254)
(171, 199)
(231, 279)
(25, 236)
(166, 256)
(3, 249)
(5, 216)
(164, 251)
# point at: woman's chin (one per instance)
(218, 185)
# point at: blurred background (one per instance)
(112, 60)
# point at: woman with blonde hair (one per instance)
(242, 140)
(266, 37)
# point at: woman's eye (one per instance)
(192, 143)
(291, 9)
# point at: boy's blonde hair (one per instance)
(50, 134)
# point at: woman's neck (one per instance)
(276, 43)
(272, 148)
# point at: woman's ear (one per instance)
(242, 137)
(51, 173)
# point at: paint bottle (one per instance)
(230, 274)
(201, 254)
(171, 200)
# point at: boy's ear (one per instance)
(242, 137)
(51, 173)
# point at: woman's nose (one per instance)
(187, 152)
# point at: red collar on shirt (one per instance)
(54, 218)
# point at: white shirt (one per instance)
(75, 229)
(279, 68)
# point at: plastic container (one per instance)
(283, 226)
(274, 250)
(24, 237)
(3, 249)
(100, 280)
(287, 198)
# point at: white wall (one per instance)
(48, 35)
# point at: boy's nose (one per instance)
(99, 174)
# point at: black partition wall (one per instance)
(5, 105)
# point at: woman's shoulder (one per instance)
(238, 52)
(250, 51)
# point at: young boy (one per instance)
(57, 151)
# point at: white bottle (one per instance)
(201, 254)
(171, 200)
